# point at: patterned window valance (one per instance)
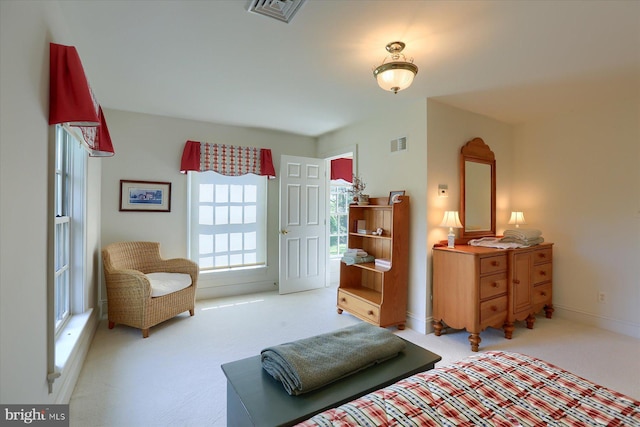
(227, 160)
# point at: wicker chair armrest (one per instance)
(133, 279)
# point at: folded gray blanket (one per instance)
(311, 363)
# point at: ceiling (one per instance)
(211, 60)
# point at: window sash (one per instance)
(227, 220)
(339, 199)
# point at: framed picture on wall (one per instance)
(393, 196)
(145, 196)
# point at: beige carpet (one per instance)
(173, 378)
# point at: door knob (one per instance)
(284, 231)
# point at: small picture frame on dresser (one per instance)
(394, 195)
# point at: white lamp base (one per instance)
(450, 240)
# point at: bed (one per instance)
(490, 389)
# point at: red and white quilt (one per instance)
(489, 389)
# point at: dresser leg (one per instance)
(474, 339)
(508, 330)
(437, 327)
(548, 311)
(531, 319)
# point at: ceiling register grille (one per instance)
(282, 10)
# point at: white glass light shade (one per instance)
(517, 218)
(396, 76)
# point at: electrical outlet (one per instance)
(602, 297)
(443, 190)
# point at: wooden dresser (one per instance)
(476, 287)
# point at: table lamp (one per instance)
(452, 221)
(517, 218)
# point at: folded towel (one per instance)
(523, 233)
(522, 242)
(350, 260)
(494, 242)
(311, 363)
(355, 252)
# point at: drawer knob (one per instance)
(543, 294)
(370, 312)
(516, 281)
(543, 273)
(495, 263)
(494, 308)
(542, 255)
(494, 284)
(343, 299)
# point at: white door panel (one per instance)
(302, 224)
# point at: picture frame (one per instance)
(145, 196)
(393, 196)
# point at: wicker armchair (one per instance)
(129, 291)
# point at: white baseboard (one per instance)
(421, 325)
(234, 289)
(614, 325)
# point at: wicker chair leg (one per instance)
(145, 333)
(191, 312)
(111, 324)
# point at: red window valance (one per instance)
(342, 169)
(227, 160)
(72, 103)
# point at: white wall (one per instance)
(384, 171)
(149, 148)
(26, 28)
(577, 178)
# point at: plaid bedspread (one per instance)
(489, 389)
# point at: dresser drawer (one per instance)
(358, 307)
(541, 273)
(542, 255)
(493, 310)
(494, 285)
(493, 264)
(542, 294)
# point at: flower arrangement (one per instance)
(357, 188)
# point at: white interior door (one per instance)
(302, 224)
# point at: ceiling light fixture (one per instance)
(398, 73)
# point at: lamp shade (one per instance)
(517, 218)
(396, 76)
(451, 220)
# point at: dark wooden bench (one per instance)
(255, 398)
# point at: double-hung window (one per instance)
(228, 218)
(339, 198)
(70, 164)
(62, 233)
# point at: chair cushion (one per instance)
(166, 283)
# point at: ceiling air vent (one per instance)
(399, 144)
(282, 10)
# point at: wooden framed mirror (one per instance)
(477, 190)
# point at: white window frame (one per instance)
(69, 259)
(339, 209)
(223, 241)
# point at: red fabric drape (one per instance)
(342, 169)
(226, 159)
(72, 103)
